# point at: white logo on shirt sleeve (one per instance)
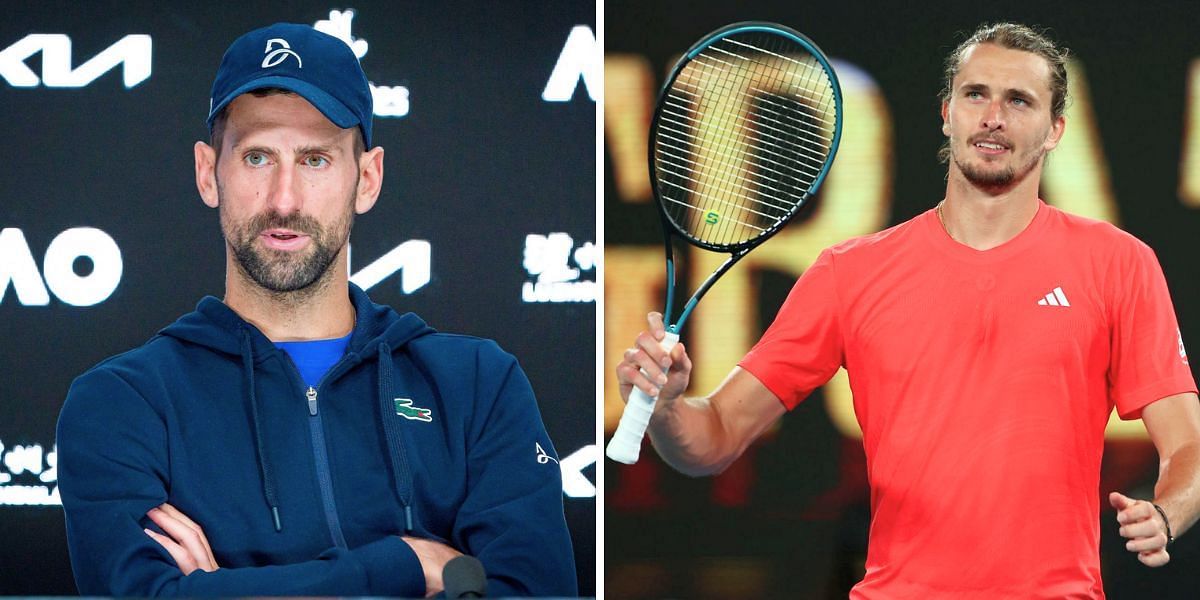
(542, 457)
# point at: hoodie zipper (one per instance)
(321, 455)
(321, 461)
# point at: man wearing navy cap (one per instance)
(295, 438)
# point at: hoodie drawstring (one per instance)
(264, 465)
(397, 456)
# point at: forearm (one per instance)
(386, 567)
(116, 558)
(114, 467)
(689, 436)
(1178, 487)
(703, 436)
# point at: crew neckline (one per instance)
(940, 238)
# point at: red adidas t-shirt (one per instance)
(982, 382)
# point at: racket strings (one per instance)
(779, 139)
(760, 181)
(772, 166)
(723, 148)
(743, 78)
(807, 68)
(745, 130)
(784, 205)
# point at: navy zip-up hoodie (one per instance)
(305, 491)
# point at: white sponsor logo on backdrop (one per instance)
(132, 52)
(389, 101)
(549, 259)
(413, 259)
(580, 58)
(575, 484)
(18, 268)
(28, 475)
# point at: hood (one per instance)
(214, 325)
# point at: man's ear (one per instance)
(1056, 132)
(206, 174)
(370, 179)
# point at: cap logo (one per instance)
(280, 54)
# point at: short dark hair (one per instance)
(1013, 37)
(217, 135)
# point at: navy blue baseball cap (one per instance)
(319, 67)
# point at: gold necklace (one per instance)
(942, 219)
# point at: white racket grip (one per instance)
(626, 442)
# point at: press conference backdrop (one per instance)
(486, 223)
(790, 518)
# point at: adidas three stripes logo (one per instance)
(1055, 298)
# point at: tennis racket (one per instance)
(743, 134)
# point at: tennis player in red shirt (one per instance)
(987, 341)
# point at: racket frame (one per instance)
(625, 445)
(736, 251)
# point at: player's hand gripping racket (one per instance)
(744, 132)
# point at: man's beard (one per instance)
(282, 272)
(990, 178)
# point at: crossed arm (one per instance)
(188, 546)
(114, 471)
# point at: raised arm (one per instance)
(696, 436)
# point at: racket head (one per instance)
(744, 132)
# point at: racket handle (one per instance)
(626, 443)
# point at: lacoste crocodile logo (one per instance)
(405, 408)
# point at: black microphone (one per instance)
(463, 577)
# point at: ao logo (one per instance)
(18, 267)
(580, 59)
